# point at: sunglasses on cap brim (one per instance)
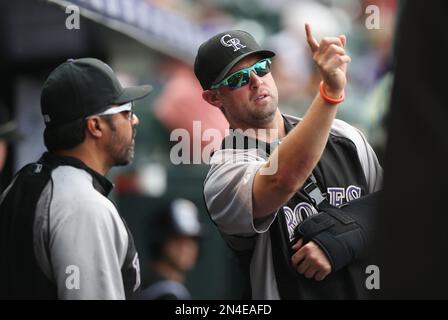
(242, 77)
(117, 109)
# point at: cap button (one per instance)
(70, 60)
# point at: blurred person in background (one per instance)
(180, 105)
(411, 238)
(60, 236)
(9, 133)
(174, 250)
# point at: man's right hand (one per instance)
(310, 261)
(331, 59)
(301, 149)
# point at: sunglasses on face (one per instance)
(242, 77)
(123, 108)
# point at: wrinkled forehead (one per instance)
(246, 62)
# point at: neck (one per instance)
(271, 131)
(91, 159)
(168, 271)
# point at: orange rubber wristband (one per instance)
(327, 98)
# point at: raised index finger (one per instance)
(314, 45)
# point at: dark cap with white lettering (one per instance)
(221, 53)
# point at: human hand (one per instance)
(331, 59)
(310, 260)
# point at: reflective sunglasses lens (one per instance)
(262, 68)
(238, 80)
(242, 77)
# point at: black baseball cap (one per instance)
(178, 217)
(220, 53)
(82, 87)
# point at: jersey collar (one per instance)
(100, 182)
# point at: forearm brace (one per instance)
(339, 235)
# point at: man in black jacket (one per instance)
(60, 236)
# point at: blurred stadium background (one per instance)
(154, 41)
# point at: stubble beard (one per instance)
(264, 115)
(125, 155)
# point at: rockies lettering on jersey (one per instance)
(337, 195)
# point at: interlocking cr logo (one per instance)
(232, 42)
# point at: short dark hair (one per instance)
(66, 136)
(70, 135)
(110, 123)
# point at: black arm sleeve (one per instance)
(342, 232)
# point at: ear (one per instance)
(94, 127)
(212, 97)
